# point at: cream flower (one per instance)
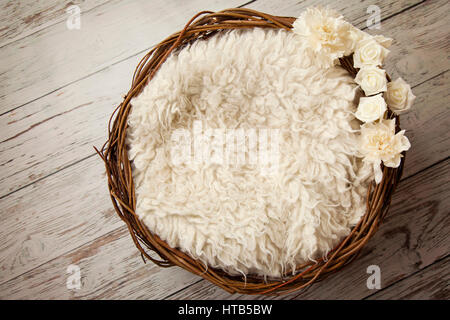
(384, 41)
(378, 142)
(327, 35)
(359, 35)
(372, 80)
(355, 36)
(399, 96)
(369, 52)
(371, 108)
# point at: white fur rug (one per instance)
(236, 217)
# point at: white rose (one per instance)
(369, 53)
(384, 41)
(355, 36)
(399, 96)
(378, 142)
(372, 80)
(371, 108)
(327, 35)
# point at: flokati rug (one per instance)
(253, 216)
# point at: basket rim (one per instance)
(121, 186)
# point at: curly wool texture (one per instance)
(233, 217)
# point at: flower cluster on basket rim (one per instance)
(329, 37)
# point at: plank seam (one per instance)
(50, 25)
(182, 289)
(424, 169)
(408, 276)
(420, 171)
(48, 175)
(126, 235)
(246, 4)
(124, 59)
(147, 49)
(89, 156)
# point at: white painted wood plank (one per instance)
(53, 216)
(354, 11)
(66, 190)
(110, 268)
(60, 128)
(56, 56)
(413, 236)
(415, 55)
(50, 200)
(19, 19)
(27, 155)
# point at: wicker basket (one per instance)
(120, 182)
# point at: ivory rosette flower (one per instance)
(359, 35)
(384, 41)
(399, 96)
(371, 108)
(378, 142)
(327, 35)
(372, 80)
(369, 52)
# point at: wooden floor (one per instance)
(58, 88)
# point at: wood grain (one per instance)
(53, 216)
(87, 106)
(110, 268)
(414, 235)
(19, 19)
(56, 56)
(35, 139)
(427, 124)
(415, 55)
(54, 204)
(433, 283)
(354, 11)
(27, 157)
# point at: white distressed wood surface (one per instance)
(30, 205)
(26, 126)
(111, 268)
(354, 11)
(53, 216)
(413, 236)
(19, 19)
(53, 199)
(56, 56)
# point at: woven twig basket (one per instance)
(121, 187)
